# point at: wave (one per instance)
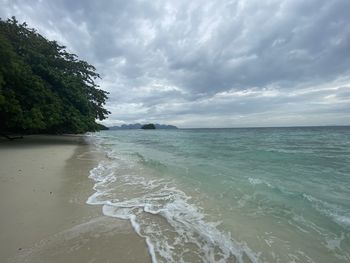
(174, 228)
(256, 181)
(335, 212)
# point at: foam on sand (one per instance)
(175, 229)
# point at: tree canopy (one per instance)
(44, 88)
(149, 126)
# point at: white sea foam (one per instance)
(174, 228)
(256, 181)
(336, 213)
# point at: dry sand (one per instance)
(43, 216)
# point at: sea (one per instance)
(230, 195)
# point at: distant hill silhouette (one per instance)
(139, 126)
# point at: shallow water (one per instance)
(230, 195)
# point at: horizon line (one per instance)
(251, 127)
(254, 127)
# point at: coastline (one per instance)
(44, 216)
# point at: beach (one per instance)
(189, 195)
(44, 186)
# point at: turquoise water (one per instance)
(230, 195)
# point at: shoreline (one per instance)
(44, 216)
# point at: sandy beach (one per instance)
(44, 217)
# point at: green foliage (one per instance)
(43, 88)
(149, 126)
(102, 127)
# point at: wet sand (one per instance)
(44, 185)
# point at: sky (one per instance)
(224, 63)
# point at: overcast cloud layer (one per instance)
(208, 63)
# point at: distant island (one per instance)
(139, 126)
(149, 126)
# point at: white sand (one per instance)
(43, 216)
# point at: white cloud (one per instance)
(208, 63)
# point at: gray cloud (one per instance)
(212, 63)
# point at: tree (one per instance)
(149, 126)
(43, 88)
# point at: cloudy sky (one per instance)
(224, 63)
